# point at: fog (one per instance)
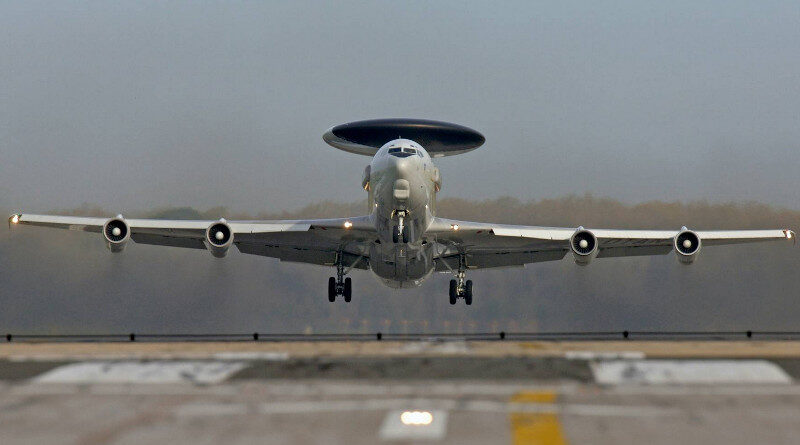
(144, 107)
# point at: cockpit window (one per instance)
(401, 152)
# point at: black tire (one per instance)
(453, 293)
(331, 289)
(395, 234)
(468, 293)
(405, 234)
(348, 289)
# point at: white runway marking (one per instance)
(430, 347)
(414, 425)
(655, 372)
(609, 355)
(204, 372)
(266, 356)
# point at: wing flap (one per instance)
(303, 255)
(170, 241)
(616, 252)
(485, 260)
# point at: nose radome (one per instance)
(403, 167)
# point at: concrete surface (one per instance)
(341, 393)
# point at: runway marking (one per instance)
(203, 372)
(655, 372)
(716, 390)
(604, 355)
(430, 347)
(536, 428)
(265, 356)
(414, 424)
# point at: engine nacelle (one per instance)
(687, 245)
(219, 237)
(584, 246)
(116, 232)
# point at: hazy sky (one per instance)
(133, 105)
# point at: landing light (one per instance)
(454, 226)
(789, 234)
(416, 418)
(15, 219)
(348, 224)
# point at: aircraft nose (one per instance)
(402, 167)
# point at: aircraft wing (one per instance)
(487, 245)
(312, 241)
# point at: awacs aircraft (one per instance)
(401, 239)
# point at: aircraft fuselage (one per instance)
(402, 185)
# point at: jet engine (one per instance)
(116, 233)
(219, 237)
(584, 246)
(687, 245)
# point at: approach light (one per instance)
(348, 224)
(416, 418)
(454, 226)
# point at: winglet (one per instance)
(14, 219)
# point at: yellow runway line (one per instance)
(536, 428)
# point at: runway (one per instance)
(400, 392)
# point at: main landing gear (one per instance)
(339, 285)
(459, 287)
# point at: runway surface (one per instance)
(400, 392)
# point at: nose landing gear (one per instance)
(400, 231)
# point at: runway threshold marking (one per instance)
(660, 372)
(202, 372)
(536, 428)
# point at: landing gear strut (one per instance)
(340, 285)
(461, 288)
(400, 231)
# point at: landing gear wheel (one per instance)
(331, 289)
(395, 234)
(453, 292)
(405, 234)
(468, 293)
(348, 289)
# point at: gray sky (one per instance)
(134, 105)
